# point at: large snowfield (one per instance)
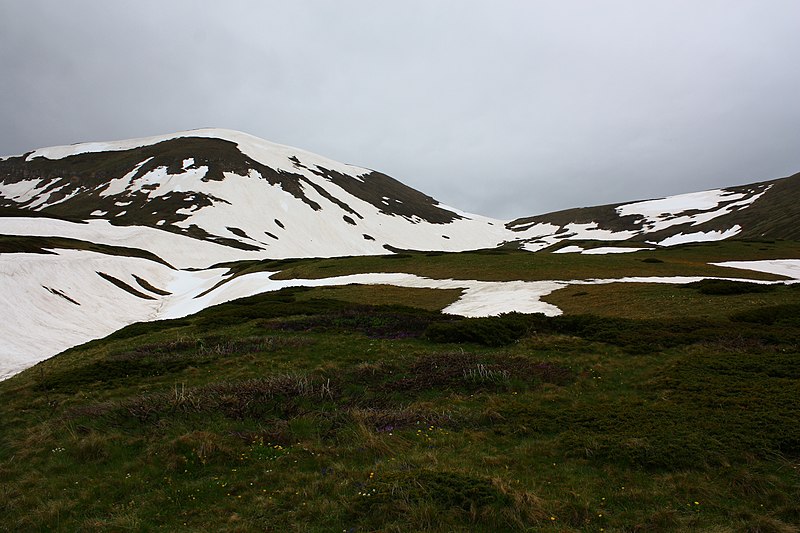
(60, 300)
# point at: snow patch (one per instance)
(613, 250)
(75, 192)
(661, 214)
(22, 191)
(45, 323)
(656, 210)
(781, 267)
(120, 185)
(42, 199)
(178, 250)
(701, 236)
(571, 249)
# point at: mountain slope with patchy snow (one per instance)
(95, 236)
(769, 209)
(241, 192)
(260, 199)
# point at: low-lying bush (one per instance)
(723, 287)
(787, 314)
(385, 322)
(492, 331)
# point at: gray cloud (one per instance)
(507, 108)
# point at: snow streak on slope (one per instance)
(673, 220)
(692, 208)
(177, 250)
(304, 232)
(701, 236)
(541, 236)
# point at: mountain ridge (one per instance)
(172, 182)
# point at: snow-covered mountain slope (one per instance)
(53, 301)
(251, 198)
(767, 209)
(241, 192)
(96, 236)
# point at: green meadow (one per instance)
(643, 407)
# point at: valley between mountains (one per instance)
(206, 331)
(97, 236)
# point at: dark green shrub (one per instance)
(491, 331)
(724, 287)
(786, 314)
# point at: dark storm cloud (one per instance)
(503, 108)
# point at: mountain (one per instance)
(768, 209)
(240, 192)
(250, 198)
(253, 381)
(96, 236)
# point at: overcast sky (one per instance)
(503, 108)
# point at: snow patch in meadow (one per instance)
(781, 267)
(613, 250)
(480, 298)
(600, 250)
(45, 323)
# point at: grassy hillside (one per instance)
(507, 265)
(329, 409)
